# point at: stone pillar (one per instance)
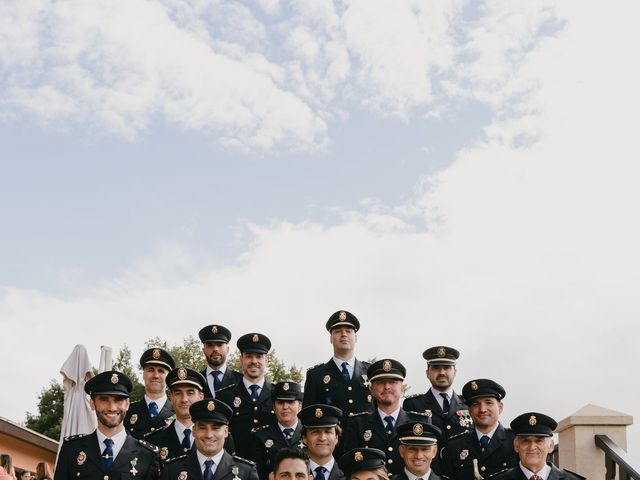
(577, 448)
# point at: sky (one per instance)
(460, 173)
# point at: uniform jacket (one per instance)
(247, 415)
(516, 473)
(166, 439)
(369, 430)
(267, 441)
(454, 423)
(229, 379)
(188, 467)
(325, 384)
(403, 476)
(81, 458)
(458, 455)
(138, 421)
(336, 473)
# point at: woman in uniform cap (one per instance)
(364, 464)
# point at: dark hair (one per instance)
(290, 453)
(5, 461)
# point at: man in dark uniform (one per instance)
(447, 409)
(342, 381)
(215, 347)
(284, 432)
(378, 429)
(209, 460)
(418, 448)
(320, 433)
(251, 397)
(109, 452)
(153, 410)
(533, 443)
(487, 449)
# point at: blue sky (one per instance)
(462, 173)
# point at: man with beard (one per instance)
(321, 433)
(418, 448)
(152, 411)
(447, 409)
(341, 381)
(215, 347)
(208, 460)
(487, 449)
(533, 444)
(284, 432)
(378, 429)
(108, 452)
(251, 397)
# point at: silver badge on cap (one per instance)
(114, 378)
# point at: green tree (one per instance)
(123, 364)
(48, 420)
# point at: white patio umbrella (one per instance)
(78, 416)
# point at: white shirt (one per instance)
(328, 466)
(439, 399)
(208, 375)
(490, 434)
(282, 427)
(411, 476)
(216, 460)
(351, 364)
(247, 384)
(159, 402)
(118, 441)
(180, 430)
(544, 473)
(392, 414)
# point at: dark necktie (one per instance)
(186, 441)
(217, 383)
(345, 372)
(254, 392)
(320, 473)
(484, 441)
(288, 433)
(153, 409)
(208, 470)
(445, 403)
(107, 454)
(389, 420)
(535, 477)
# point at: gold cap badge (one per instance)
(358, 456)
(442, 351)
(255, 339)
(156, 353)
(211, 406)
(417, 429)
(182, 373)
(214, 329)
(285, 387)
(533, 420)
(474, 386)
(342, 316)
(319, 413)
(386, 365)
(114, 378)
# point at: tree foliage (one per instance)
(48, 420)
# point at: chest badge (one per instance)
(133, 419)
(81, 458)
(326, 379)
(367, 435)
(237, 402)
(464, 454)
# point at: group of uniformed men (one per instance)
(220, 424)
